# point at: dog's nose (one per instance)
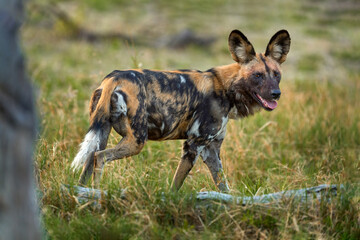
(275, 93)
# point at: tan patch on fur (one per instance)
(203, 82)
(181, 172)
(102, 110)
(228, 73)
(131, 90)
(108, 86)
(178, 131)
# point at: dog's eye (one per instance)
(258, 75)
(277, 75)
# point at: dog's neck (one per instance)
(227, 74)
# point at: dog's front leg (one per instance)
(211, 157)
(191, 152)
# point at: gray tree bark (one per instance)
(18, 207)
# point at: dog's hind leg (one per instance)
(131, 144)
(211, 157)
(87, 170)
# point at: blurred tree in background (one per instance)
(18, 209)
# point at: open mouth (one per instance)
(268, 105)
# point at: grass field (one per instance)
(312, 138)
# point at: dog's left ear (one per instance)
(279, 46)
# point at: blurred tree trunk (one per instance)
(18, 208)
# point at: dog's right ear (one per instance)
(279, 46)
(242, 51)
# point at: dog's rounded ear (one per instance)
(279, 46)
(242, 51)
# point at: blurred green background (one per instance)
(312, 138)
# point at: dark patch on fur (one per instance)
(190, 70)
(213, 72)
(127, 74)
(266, 66)
(94, 100)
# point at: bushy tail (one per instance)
(96, 138)
(89, 146)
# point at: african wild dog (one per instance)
(193, 105)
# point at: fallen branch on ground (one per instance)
(302, 195)
(321, 192)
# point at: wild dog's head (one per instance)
(257, 83)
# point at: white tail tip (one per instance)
(90, 144)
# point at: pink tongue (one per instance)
(269, 104)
